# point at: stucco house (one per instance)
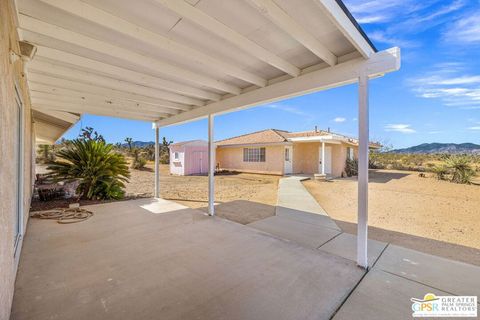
(189, 157)
(281, 152)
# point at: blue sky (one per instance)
(435, 97)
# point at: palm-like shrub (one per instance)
(101, 172)
(461, 168)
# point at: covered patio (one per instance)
(169, 62)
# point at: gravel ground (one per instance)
(242, 197)
(425, 214)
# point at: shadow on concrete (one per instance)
(426, 245)
(243, 211)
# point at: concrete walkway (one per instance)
(299, 218)
(397, 274)
(401, 274)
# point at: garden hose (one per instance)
(64, 216)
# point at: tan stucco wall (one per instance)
(232, 159)
(8, 126)
(305, 157)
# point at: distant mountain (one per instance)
(139, 144)
(450, 148)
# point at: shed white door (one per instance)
(200, 162)
(328, 160)
(288, 160)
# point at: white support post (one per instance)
(211, 167)
(323, 158)
(363, 144)
(157, 155)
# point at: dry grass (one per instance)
(242, 197)
(424, 213)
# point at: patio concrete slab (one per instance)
(129, 263)
(381, 296)
(448, 275)
(306, 217)
(306, 234)
(345, 245)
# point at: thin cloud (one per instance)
(289, 109)
(476, 128)
(450, 85)
(400, 127)
(398, 20)
(339, 119)
(465, 30)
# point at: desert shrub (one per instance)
(374, 161)
(440, 172)
(100, 171)
(351, 167)
(164, 158)
(139, 161)
(461, 169)
(45, 153)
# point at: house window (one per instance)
(350, 153)
(254, 155)
(175, 155)
(287, 154)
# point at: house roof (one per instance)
(259, 137)
(273, 136)
(189, 142)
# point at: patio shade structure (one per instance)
(174, 61)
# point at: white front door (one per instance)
(328, 160)
(288, 153)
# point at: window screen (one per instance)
(254, 155)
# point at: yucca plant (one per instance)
(461, 167)
(440, 171)
(101, 172)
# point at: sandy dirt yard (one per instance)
(242, 197)
(425, 214)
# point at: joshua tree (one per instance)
(90, 134)
(129, 142)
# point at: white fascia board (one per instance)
(341, 74)
(312, 138)
(340, 19)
